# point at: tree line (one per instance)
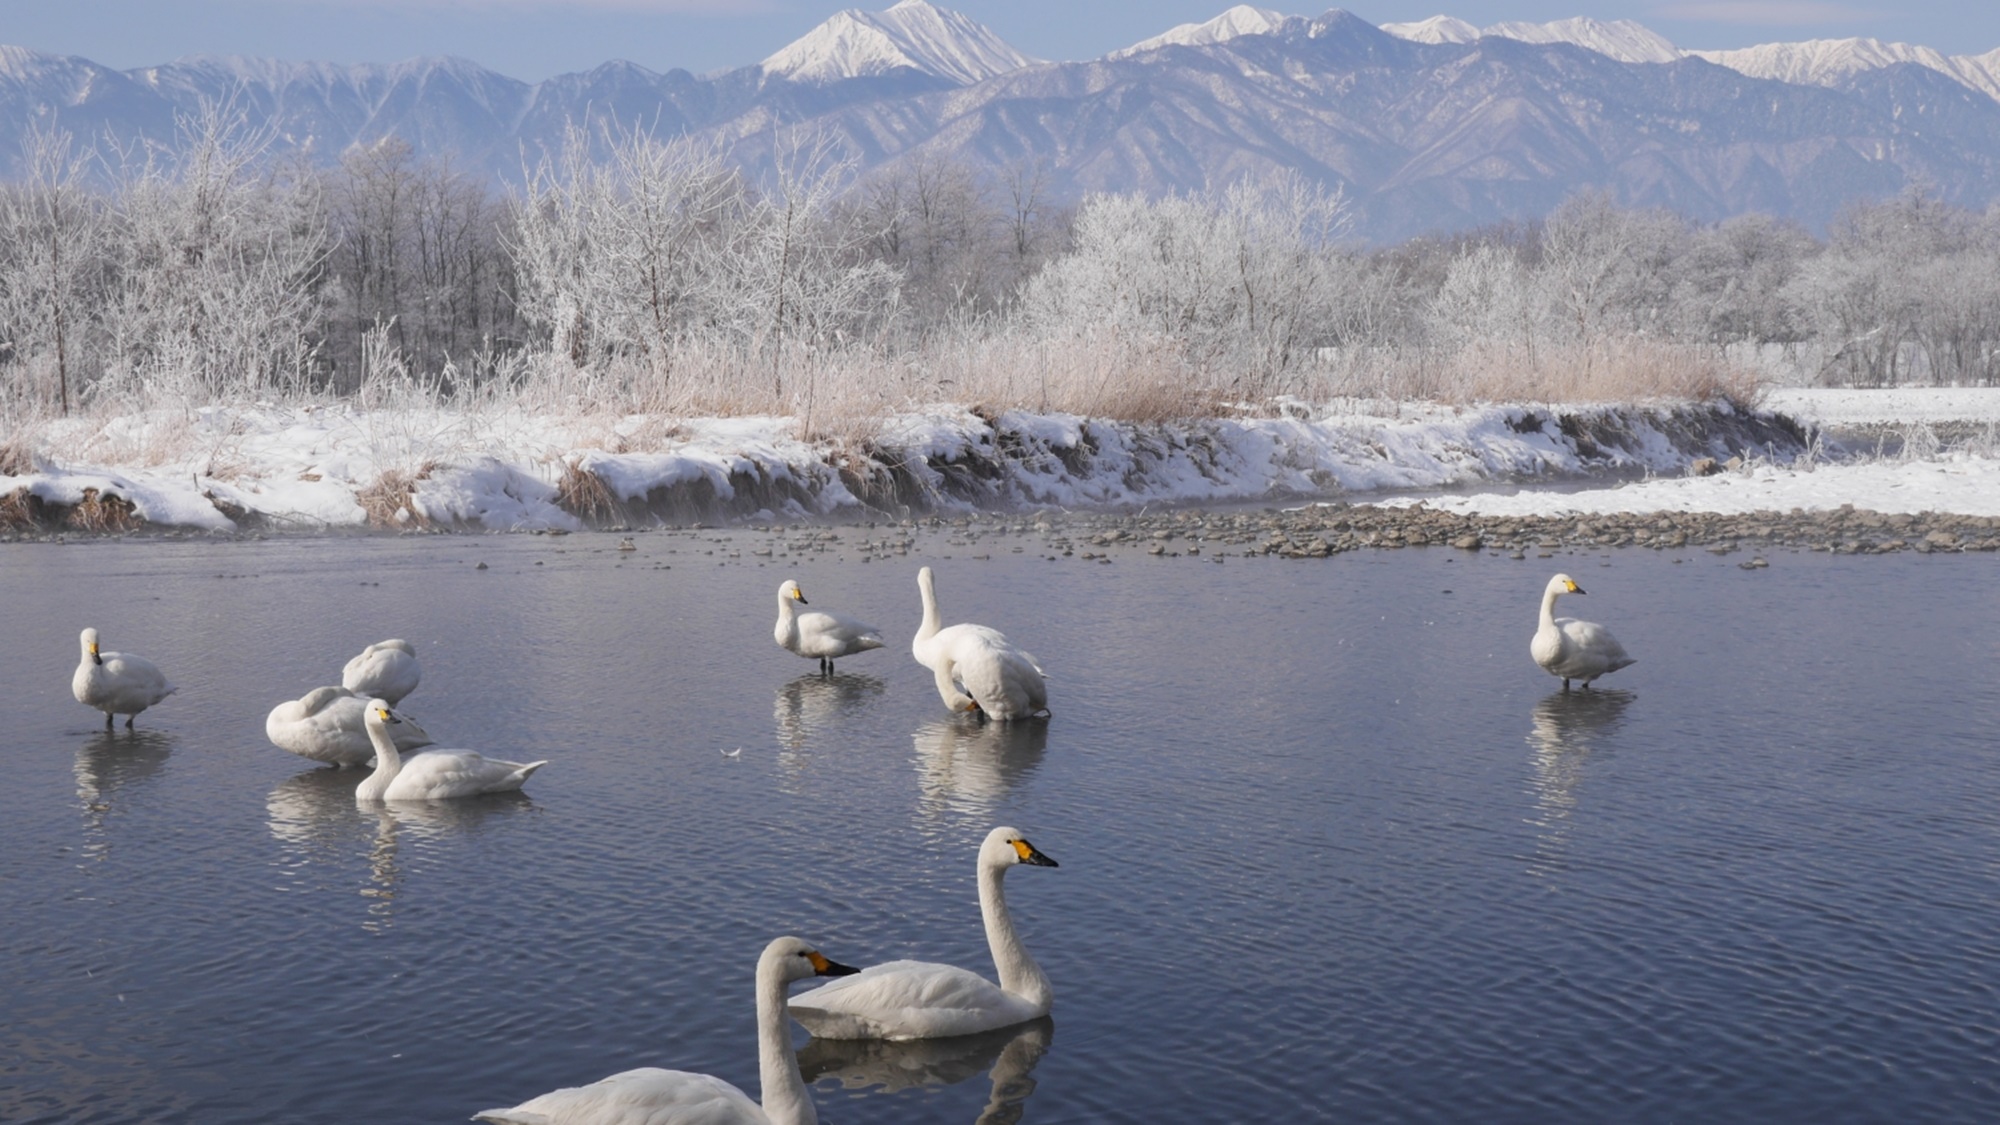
(631, 272)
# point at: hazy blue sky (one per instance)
(532, 39)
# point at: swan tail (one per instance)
(521, 775)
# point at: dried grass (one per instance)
(17, 459)
(389, 502)
(584, 495)
(20, 510)
(103, 513)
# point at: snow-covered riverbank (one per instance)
(312, 468)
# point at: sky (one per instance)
(533, 39)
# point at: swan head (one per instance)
(789, 592)
(1563, 584)
(1006, 847)
(89, 641)
(379, 714)
(793, 959)
(396, 643)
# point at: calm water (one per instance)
(1332, 848)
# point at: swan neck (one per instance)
(388, 762)
(785, 1099)
(931, 625)
(1018, 972)
(1549, 607)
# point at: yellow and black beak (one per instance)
(800, 595)
(94, 658)
(1032, 857)
(1573, 587)
(387, 715)
(825, 968)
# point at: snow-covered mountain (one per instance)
(1829, 62)
(1623, 40)
(913, 35)
(1238, 21)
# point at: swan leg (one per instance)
(129, 719)
(108, 716)
(1565, 683)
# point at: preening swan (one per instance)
(384, 670)
(117, 683)
(328, 724)
(818, 633)
(922, 1000)
(1572, 649)
(651, 1096)
(977, 668)
(434, 775)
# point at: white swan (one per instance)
(977, 668)
(384, 670)
(651, 1096)
(117, 683)
(328, 725)
(1572, 649)
(434, 775)
(922, 1000)
(819, 633)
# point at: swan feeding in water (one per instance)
(329, 724)
(818, 633)
(384, 670)
(1570, 649)
(977, 668)
(434, 775)
(652, 1096)
(117, 683)
(923, 1000)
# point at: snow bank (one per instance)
(327, 467)
(1835, 408)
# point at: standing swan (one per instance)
(819, 633)
(434, 775)
(1572, 649)
(922, 1000)
(651, 1096)
(384, 670)
(117, 683)
(977, 668)
(328, 724)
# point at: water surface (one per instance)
(1332, 848)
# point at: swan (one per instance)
(327, 725)
(384, 670)
(1572, 649)
(977, 668)
(651, 1096)
(921, 1000)
(117, 683)
(819, 633)
(434, 775)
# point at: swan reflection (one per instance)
(967, 765)
(1566, 728)
(810, 703)
(313, 815)
(110, 760)
(1008, 1056)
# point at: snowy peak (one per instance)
(1236, 22)
(1623, 40)
(913, 35)
(1828, 62)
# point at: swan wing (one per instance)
(387, 670)
(436, 775)
(908, 1000)
(831, 634)
(123, 684)
(1006, 681)
(646, 1096)
(1589, 648)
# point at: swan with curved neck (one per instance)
(1570, 649)
(819, 633)
(652, 1096)
(976, 668)
(384, 670)
(924, 1000)
(434, 775)
(329, 724)
(116, 683)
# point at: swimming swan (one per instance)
(328, 725)
(1572, 649)
(819, 633)
(117, 683)
(384, 670)
(434, 775)
(977, 668)
(921, 1000)
(651, 1096)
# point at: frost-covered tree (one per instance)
(51, 264)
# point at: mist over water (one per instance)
(1332, 847)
